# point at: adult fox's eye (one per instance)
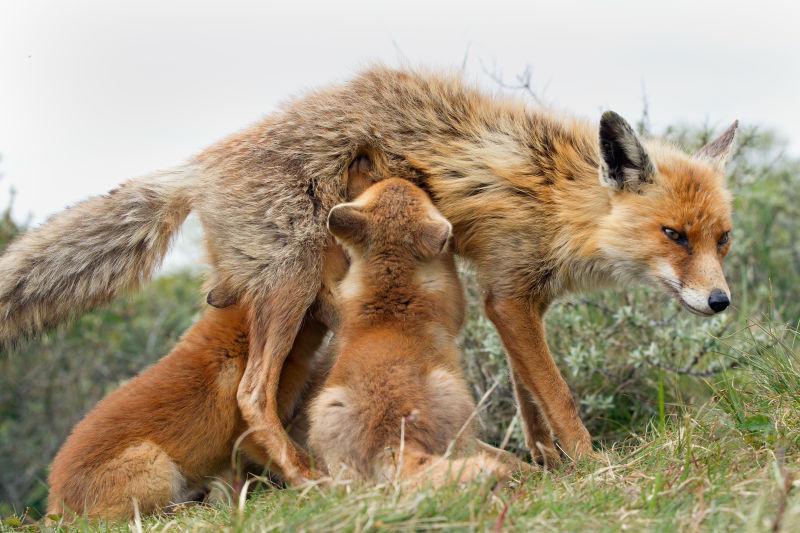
(726, 237)
(675, 235)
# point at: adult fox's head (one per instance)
(670, 218)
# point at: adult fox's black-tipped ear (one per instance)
(347, 223)
(719, 150)
(624, 165)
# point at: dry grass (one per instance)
(731, 463)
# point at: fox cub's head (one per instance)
(670, 218)
(392, 218)
(400, 264)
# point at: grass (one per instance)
(732, 463)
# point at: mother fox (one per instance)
(543, 205)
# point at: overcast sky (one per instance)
(96, 91)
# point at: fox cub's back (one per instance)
(397, 374)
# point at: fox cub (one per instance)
(160, 437)
(395, 399)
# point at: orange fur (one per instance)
(161, 436)
(543, 204)
(396, 399)
(689, 196)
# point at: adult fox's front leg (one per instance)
(274, 325)
(521, 329)
(537, 431)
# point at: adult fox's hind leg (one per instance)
(274, 327)
(276, 319)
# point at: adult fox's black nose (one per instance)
(718, 300)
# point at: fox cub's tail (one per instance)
(420, 468)
(86, 255)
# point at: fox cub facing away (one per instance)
(395, 398)
(162, 436)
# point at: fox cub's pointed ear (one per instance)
(435, 236)
(347, 223)
(718, 150)
(625, 165)
(221, 296)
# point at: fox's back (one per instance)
(387, 390)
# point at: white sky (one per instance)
(96, 91)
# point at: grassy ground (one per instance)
(731, 463)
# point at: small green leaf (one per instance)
(757, 424)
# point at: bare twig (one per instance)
(523, 83)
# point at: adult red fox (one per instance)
(542, 204)
(395, 400)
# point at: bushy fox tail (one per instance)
(91, 252)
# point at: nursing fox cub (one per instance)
(161, 436)
(396, 401)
